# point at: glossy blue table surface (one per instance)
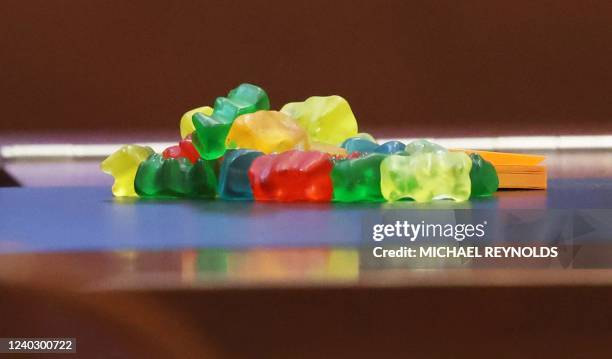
(89, 218)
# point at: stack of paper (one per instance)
(516, 170)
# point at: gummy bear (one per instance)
(159, 177)
(390, 147)
(292, 176)
(187, 127)
(365, 136)
(365, 143)
(266, 131)
(358, 179)
(211, 131)
(245, 98)
(359, 144)
(327, 148)
(122, 165)
(326, 119)
(188, 150)
(184, 149)
(483, 177)
(234, 174)
(172, 152)
(423, 146)
(425, 176)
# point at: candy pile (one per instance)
(307, 151)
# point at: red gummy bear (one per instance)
(353, 155)
(292, 176)
(189, 150)
(184, 149)
(172, 152)
(349, 156)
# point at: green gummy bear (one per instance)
(426, 176)
(483, 176)
(147, 181)
(249, 97)
(159, 177)
(209, 136)
(203, 177)
(174, 173)
(211, 131)
(358, 179)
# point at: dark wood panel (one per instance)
(512, 322)
(443, 67)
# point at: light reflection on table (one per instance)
(270, 265)
(214, 269)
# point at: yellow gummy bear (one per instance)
(426, 176)
(327, 148)
(266, 131)
(327, 119)
(186, 123)
(122, 165)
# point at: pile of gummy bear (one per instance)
(307, 151)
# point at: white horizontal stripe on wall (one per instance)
(507, 143)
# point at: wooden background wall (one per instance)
(426, 68)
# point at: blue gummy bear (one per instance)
(234, 174)
(359, 144)
(390, 147)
